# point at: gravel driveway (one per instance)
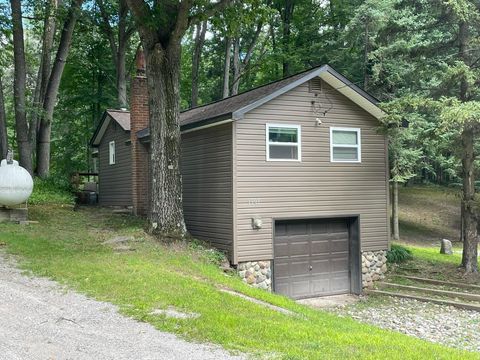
(40, 320)
(447, 325)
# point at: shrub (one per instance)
(398, 254)
(51, 191)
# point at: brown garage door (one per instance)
(311, 257)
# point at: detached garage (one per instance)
(316, 257)
(289, 179)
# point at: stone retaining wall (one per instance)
(374, 266)
(256, 273)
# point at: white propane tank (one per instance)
(16, 184)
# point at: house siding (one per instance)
(314, 187)
(115, 181)
(207, 185)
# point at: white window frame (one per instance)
(111, 153)
(298, 143)
(358, 146)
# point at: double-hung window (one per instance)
(111, 153)
(345, 145)
(283, 142)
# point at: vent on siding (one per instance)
(315, 85)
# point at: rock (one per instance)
(263, 285)
(384, 268)
(446, 247)
(257, 267)
(364, 270)
(367, 263)
(262, 264)
(242, 273)
(261, 278)
(173, 313)
(251, 279)
(118, 240)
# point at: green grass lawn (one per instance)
(66, 246)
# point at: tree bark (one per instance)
(366, 51)
(240, 65)
(286, 15)
(201, 30)
(226, 68)
(3, 125)
(237, 65)
(163, 74)
(469, 223)
(118, 46)
(21, 124)
(44, 69)
(45, 128)
(395, 226)
(470, 240)
(162, 43)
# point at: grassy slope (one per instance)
(428, 214)
(66, 246)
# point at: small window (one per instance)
(111, 152)
(345, 145)
(283, 142)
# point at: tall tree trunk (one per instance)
(201, 30)
(469, 223)
(395, 226)
(45, 128)
(287, 15)
(366, 50)
(226, 68)
(21, 124)
(237, 66)
(118, 46)
(122, 76)
(44, 69)
(163, 78)
(3, 125)
(470, 241)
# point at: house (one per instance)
(289, 179)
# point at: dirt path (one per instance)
(40, 320)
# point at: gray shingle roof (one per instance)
(229, 105)
(234, 107)
(122, 117)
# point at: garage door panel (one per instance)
(299, 248)
(281, 269)
(321, 285)
(339, 264)
(300, 287)
(339, 246)
(320, 247)
(299, 267)
(311, 257)
(320, 266)
(340, 283)
(281, 250)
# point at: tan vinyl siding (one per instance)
(207, 185)
(115, 181)
(314, 187)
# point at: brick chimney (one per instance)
(139, 120)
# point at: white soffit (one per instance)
(352, 94)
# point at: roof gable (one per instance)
(121, 117)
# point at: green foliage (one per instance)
(398, 254)
(52, 191)
(212, 255)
